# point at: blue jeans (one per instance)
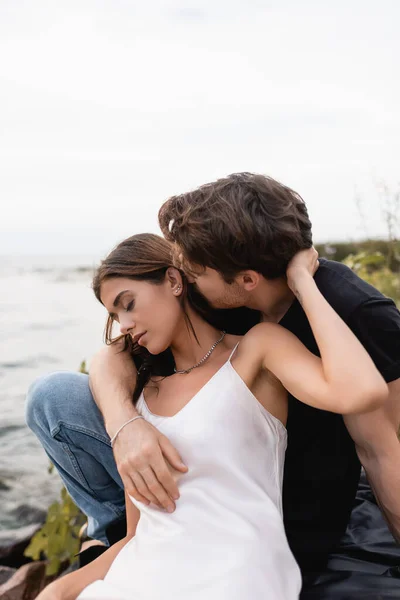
(61, 412)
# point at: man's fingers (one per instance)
(157, 490)
(171, 454)
(132, 490)
(162, 469)
(148, 464)
(144, 490)
(164, 474)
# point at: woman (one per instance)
(224, 409)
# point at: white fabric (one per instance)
(225, 540)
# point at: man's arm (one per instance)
(141, 452)
(378, 447)
(112, 374)
(376, 323)
(392, 406)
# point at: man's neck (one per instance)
(272, 298)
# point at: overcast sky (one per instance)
(107, 107)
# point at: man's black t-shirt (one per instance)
(322, 469)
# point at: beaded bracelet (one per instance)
(114, 437)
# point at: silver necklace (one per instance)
(211, 350)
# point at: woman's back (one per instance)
(226, 539)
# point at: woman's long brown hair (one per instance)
(146, 257)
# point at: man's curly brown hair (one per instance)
(243, 221)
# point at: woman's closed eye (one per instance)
(129, 306)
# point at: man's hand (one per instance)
(148, 464)
(146, 460)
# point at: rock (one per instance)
(27, 515)
(14, 536)
(25, 584)
(6, 573)
(13, 543)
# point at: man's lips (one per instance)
(137, 337)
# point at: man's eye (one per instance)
(129, 307)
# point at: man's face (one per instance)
(213, 287)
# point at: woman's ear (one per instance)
(174, 279)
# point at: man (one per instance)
(234, 238)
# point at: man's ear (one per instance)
(248, 280)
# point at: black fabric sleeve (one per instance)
(376, 323)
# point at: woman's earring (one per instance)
(178, 289)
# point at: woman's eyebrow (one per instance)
(118, 297)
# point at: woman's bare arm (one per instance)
(344, 380)
(70, 586)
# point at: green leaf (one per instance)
(82, 368)
(58, 539)
(53, 566)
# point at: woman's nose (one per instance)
(126, 327)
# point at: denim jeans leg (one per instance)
(62, 413)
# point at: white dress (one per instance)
(225, 540)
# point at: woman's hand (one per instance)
(304, 262)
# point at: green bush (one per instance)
(341, 250)
(373, 268)
(58, 540)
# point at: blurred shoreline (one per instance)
(46, 305)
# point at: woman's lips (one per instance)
(141, 338)
(138, 336)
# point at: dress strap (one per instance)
(233, 351)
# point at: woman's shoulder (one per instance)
(262, 331)
(260, 337)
